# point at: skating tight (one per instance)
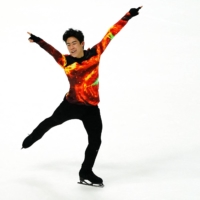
(91, 118)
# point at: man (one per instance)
(81, 102)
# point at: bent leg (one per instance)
(93, 125)
(59, 116)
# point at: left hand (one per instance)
(135, 11)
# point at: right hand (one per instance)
(30, 40)
(34, 38)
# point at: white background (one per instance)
(150, 101)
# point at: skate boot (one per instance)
(90, 179)
(29, 140)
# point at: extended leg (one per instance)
(59, 116)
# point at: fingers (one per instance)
(139, 8)
(31, 40)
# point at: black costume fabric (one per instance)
(91, 118)
(81, 102)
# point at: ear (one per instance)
(82, 44)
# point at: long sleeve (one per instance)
(60, 59)
(112, 32)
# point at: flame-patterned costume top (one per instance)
(83, 72)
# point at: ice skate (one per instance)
(29, 140)
(90, 179)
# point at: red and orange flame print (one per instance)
(84, 77)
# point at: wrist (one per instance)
(35, 38)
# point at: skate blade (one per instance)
(101, 185)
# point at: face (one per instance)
(75, 48)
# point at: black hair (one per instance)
(73, 33)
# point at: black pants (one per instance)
(91, 118)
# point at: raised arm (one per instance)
(112, 32)
(60, 59)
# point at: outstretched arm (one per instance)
(101, 46)
(60, 59)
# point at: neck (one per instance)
(81, 55)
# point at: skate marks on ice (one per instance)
(40, 188)
(169, 166)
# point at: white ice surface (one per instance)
(150, 101)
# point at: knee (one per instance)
(98, 144)
(95, 144)
(56, 120)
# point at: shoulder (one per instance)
(90, 52)
(70, 60)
